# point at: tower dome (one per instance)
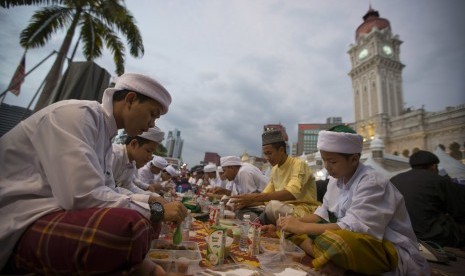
(376, 144)
(377, 147)
(370, 20)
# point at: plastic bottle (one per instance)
(244, 239)
(221, 214)
(188, 220)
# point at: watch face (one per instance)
(363, 53)
(387, 50)
(156, 207)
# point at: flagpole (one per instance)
(30, 71)
(33, 98)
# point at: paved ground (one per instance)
(453, 268)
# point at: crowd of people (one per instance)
(63, 178)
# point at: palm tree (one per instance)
(99, 22)
(10, 3)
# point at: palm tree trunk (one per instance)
(53, 76)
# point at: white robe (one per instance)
(58, 158)
(370, 204)
(124, 173)
(249, 179)
(146, 177)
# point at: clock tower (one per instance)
(376, 76)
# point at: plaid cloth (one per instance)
(360, 253)
(83, 242)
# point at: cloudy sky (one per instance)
(234, 66)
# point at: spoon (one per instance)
(177, 236)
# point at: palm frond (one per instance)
(117, 15)
(91, 35)
(43, 24)
(8, 3)
(116, 47)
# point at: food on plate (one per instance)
(270, 246)
(159, 255)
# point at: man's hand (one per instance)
(159, 199)
(292, 224)
(269, 231)
(241, 201)
(154, 188)
(174, 211)
(219, 191)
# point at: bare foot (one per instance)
(147, 268)
(331, 269)
(306, 246)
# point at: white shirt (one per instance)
(146, 176)
(370, 204)
(249, 179)
(58, 158)
(124, 173)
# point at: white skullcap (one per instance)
(339, 142)
(153, 134)
(141, 84)
(171, 170)
(209, 168)
(220, 169)
(159, 162)
(230, 161)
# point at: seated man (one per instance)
(291, 189)
(363, 225)
(210, 176)
(434, 203)
(169, 180)
(128, 158)
(56, 184)
(245, 179)
(149, 176)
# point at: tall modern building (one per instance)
(174, 144)
(378, 95)
(307, 134)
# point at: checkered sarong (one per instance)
(352, 251)
(83, 242)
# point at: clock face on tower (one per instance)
(387, 50)
(363, 53)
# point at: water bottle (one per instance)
(221, 211)
(244, 240)
(188, 220)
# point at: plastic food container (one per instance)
(290, 249)
(183, 258)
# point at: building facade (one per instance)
(174, 144)
(307, 135)
(378, 96)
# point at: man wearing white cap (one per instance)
(150, 174)
(363, 224)
(247, 177)
(134, 154)
(210, 176)
(168, 177)
(56, 164)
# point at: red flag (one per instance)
(18, 77)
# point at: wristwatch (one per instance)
(157, 212)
